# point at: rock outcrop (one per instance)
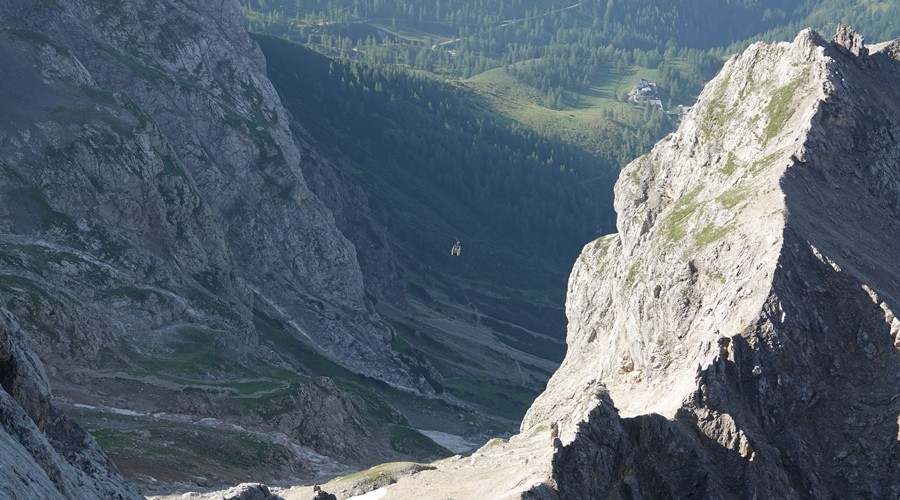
(382, 275)
(44, 454)
(743, 318)
(246, 491)
(151, 181)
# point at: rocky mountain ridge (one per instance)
(737, 338)
(749, 295)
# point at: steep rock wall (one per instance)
(749, 296)
(158, 158)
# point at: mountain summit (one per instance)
(737, 337)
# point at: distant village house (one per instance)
(646, 91)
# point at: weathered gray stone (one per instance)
(43, 454)
(158, 156)
(382, 275)
(851, 41)
(246, 491)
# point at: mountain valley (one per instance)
(227, 254)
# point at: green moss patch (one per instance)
(177, 449)
(133, 293)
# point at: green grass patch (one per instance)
(44, 261)
(525, 341)
(779, 109)
(105, 108)
(212, 303)
(712, 233)
(717, 112)
(381, 475)
(112, 246)
(378, 411)
(172, 168)
(29, 299)
(732, 197)
(98, 96)
(10, 258)
(676, 222)
(633, 273)
(405, 439)
(275, 403)
(493, 443)
(137, 68)
(370, 394)
(20, 284)
(274, 331)
(252, 387)
(372, 474)
(533, 315)
(179, 445)
(34, 208)
(367, 392)
(192, 353)
(601, 245)
(764, 163)
(597, 108)
(419, 292)
(52, 5)
(730, 165)
(210, 280)
(190, 339)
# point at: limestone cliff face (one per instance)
(151, 182)
(743, 319)
(43, 454)
(348, 202)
